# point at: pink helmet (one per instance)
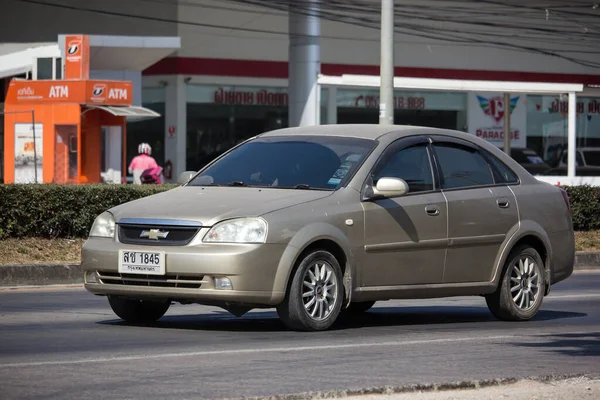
(144, 148)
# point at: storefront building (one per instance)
(227, 83)
(226, 110)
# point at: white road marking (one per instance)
(573, 296)
(254, 351)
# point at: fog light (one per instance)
(223, 283)
(90, 277)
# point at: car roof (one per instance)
(370, 131)
(362, 131)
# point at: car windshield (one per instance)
(295, 162)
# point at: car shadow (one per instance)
(572, 344)
(268, 321)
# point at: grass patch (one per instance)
(587, 241)
(38, 251)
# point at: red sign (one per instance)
(400, 103)
(77, 57)
(261, 98)
(563, 107)
(171, 131)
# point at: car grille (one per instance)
(178, 233)
(171, 281)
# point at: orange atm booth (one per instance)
(70, 130)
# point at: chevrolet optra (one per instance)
(315, 221)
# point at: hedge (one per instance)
(68, 211)
(585, 207)
(61, 211)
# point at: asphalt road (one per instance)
(67, 344)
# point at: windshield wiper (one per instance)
(302, 186)
(237, 183)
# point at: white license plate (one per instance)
(142, 262)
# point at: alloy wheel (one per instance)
(319, 294)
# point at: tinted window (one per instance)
(318, 162)
(462, 166)
(411, 164)
(504, 173)
(592, 157)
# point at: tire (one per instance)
(359, 308)
(138, 310)
(296, 309)
(501, 302)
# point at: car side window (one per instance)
(462, 166)
(506, 175)
(412, 164)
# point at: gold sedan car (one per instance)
(320, 220)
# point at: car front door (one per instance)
(406, 237)
(481, 210)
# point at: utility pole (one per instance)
(386, 90)
(507, 123)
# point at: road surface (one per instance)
(67, 344)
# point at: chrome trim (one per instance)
(160, 222)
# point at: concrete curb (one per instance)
(65, 274)
(40, 274)
(422, 388)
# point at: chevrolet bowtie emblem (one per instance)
(154, 234)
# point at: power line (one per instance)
(362, 13)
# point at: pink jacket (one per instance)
(142, 162)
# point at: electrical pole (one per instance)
(507, 123)
(386, 90)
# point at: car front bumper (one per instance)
(190, 272)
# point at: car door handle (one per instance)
(432, 210)
(503, 202)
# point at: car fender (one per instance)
(517, 232)
(304, 238)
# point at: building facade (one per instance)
(229, 80)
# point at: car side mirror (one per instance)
(390, 187)
(185, 177)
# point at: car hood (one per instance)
(209, 205)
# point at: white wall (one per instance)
(343, 43)
(351, 44)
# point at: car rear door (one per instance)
(481, 209)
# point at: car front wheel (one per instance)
(138, 310)
(522, 286)
(315, 295)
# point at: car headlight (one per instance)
(104, 226)
(240, 230)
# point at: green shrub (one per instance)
(585, 207)
(61, 211)
(68, 211)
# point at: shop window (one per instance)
(58, 68)
(547, 133)
(44, 68)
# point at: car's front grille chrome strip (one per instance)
(114, 278)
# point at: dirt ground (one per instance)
(34, 251)
(569, 389)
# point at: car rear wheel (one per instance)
(138, 310)
(315, 295)
(360, 307)
(522, 286)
